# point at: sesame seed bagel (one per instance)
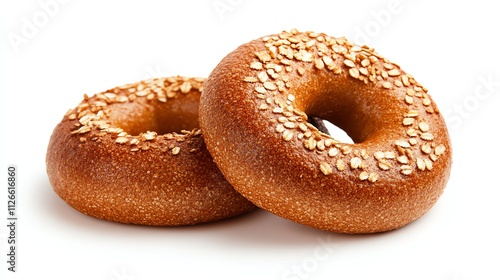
(254, 112)
(133, 154)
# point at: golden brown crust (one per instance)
(254, 112)
(105, 160)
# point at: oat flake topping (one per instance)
(272, 68)
(91, 116)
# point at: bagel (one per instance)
(254, 111)
(133, 154)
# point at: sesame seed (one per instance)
(301, 71)
(326, 168)
(426, 101)
(412, 114)
(263, 106)
(413, 141)
(280, 128)
(387, 85)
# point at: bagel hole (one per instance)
(331, 129)
(173, 116)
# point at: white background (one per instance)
(53, 53)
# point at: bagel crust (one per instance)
(113, 157)
(254, 112)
